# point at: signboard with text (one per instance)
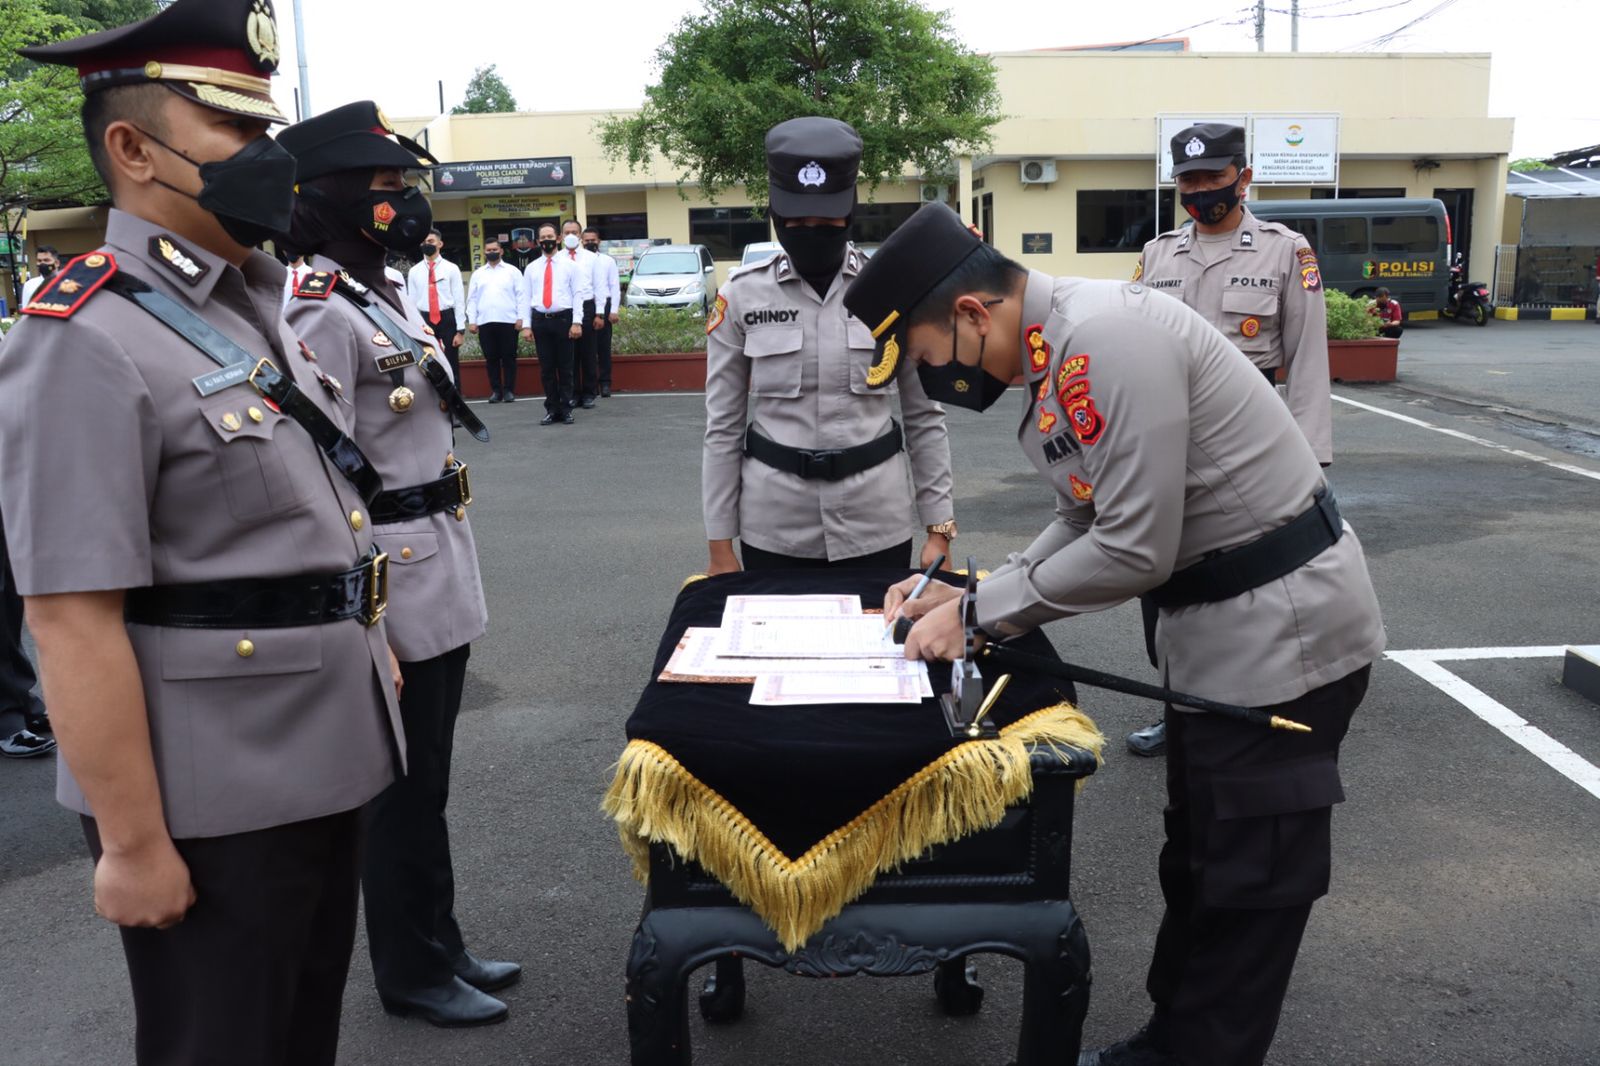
(1295, 149)
(496, 174)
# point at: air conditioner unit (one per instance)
(935, 194)
(1038, 171)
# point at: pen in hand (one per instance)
(917, 590)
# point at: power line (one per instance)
(1384, 39)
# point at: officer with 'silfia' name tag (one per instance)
(804, 462)
(188, 525)
(1180, 478)
(358, 202)
(1258, 282)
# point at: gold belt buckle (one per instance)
(252, 379)
(378, 589)
(463, 484)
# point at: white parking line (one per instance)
(1554, 754)
(1581, 471)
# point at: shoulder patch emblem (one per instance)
(1082, 491)
(719, 312)
(1138, 269)
(1306, 257)
(1311, 278)
(1088, 424)
(166, 250)
(72, 286)
(1250, 326)
(1047, 420)
(317, 285)
(1070, 380)
(1247, 239)
(1038, 349)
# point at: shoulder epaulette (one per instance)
(72, 286)
(1272, 225)
(317, 285)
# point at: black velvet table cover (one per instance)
(800, 773)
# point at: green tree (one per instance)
(91, 15)
(1521, 165)
(487, 94)
(891, 68)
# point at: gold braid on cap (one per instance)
(233, 101)
(881, 371)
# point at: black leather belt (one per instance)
(266, 602)
(542, 315)
(1226, 574)
(453, 492)
(833, 464)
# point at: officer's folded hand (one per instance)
(147, 887)
(895, 602)
(574, 331)
(938, 635)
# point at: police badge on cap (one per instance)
(220, 54)
(1207, 146)
(812, 167)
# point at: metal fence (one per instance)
(1505, 275)
(1545, 276)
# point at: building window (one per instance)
(874, 222)
(1121, 220)
(726, 230)
(632, 226)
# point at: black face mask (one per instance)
(396, 220)
(550, 246)
(815, 251)
(960, 385)
(430, 250)
(593, 246)
(493, 257)
(251, 192)
(46, 269)
(1213, 205)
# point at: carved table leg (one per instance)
(1055, 991)
(956, 985)
(722, 999)
(658, 993)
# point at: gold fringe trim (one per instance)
(691, 579)
(653, 799)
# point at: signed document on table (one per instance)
(801, 650)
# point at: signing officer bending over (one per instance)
(196, 559)
(1164, 446)
(354, 206)
(804, 463)
(1258, 282)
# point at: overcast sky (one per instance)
(600, 53)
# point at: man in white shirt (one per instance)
(298, 269)
(496, 304)
(585, 371)
(554, 287)
(46, 262)
(434, 286)
(607, 304)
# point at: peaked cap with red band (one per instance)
(220, 54)
(352, 137)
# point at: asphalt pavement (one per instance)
(1464, 921)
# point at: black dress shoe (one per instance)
(487, 976)
(550, 419)
(605, 390)
(494, 398)
(1151, 740)
(26, 744)
(568, 419)
(586, 403)
(1147, 1047)
(455, 1005)
(510, 396)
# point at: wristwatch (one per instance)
(946, 530)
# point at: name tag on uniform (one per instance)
(229, 376)
(394, 361)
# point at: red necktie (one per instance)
(549, 283)
(433, 297)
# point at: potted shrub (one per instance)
(1355, 351)
(652, 350)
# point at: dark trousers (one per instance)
(407, 878)
(889, 558)
(586, 355)
(254, 974)
(17, 677)
(1391, 331)
(1248, 850)
(555, 360)
(602, 343)
(499, 343)
(445, 332)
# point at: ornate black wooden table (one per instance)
(701, 788)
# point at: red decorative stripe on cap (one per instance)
(232, 60)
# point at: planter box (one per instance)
(668, 372)
(1371, 360)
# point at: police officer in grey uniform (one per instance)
(1179, 477)
(354, 205)
(1258, 282)
(188, 527)
(804, 463)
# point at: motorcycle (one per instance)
(1466, 301)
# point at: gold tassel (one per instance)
(653, 799)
